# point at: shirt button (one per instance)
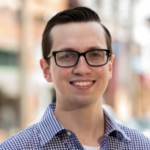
(68, 133)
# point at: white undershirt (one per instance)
(90, 148)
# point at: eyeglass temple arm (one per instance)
(49, 56)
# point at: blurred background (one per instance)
(24, 94)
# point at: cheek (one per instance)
(59, 75)
(103, 72)
(103, 77)
(60, 79)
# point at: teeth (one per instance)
(82, 83)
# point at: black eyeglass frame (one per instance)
(108, 54)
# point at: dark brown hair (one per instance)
(76, 14)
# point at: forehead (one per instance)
(77, 34)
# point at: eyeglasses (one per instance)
(69, 58)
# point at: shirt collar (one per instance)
(113, 127)
(50, 125)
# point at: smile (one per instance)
(82, 83)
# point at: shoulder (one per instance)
(25, 139)
(137, 138)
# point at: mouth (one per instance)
(82, 83)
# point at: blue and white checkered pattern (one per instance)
(49, 134)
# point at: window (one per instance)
(8, 58)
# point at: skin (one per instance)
(79, 108)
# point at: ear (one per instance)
(46, 70)
(111, 60)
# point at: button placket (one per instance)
(69, 133)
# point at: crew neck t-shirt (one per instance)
(90, 148)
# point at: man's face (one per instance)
(81, 84)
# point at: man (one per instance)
(77, 58)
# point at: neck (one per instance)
(86, 122)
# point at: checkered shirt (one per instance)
(49, 134)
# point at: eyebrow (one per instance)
(73, 49)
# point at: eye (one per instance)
(66, 55)
(96, 54)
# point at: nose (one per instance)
(82, 68)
